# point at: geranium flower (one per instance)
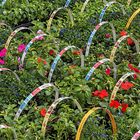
(96, 93)
(103, 94)
(45, 62)
(107, 35)
(39, 59)
(21, 48)
(123, 33)
(51, 52)
(43, 112)
(124, 107)
(114, 104)
(2, 62)
(126, 85)
(108, 71)
(135, 76)
(76, 52)
(133, 68)
(130, 42)
(3, 52)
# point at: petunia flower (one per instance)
(21, 48)
(126, 85)
(133, 68)
(2, 62)
(3, 52)
(114, 104)
(130, 42)
(123, 33)
(108, 71)
(103, 94)
(124, 107)
(43, 112)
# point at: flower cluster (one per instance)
(126, 85)
(115, 104)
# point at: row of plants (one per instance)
(68, 75)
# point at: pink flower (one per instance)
(108, 71)
(107, 35)
(18, 59)
(2, 62)
(40, 38)
(21, 48)
(3, 52)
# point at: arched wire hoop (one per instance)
(35, 92)
(128, 2)
(112, 56)
(52, 107)
(85, 4)
(67, 3)
(27, 48)
(4, 24)
(101, 62)
(107, 5)
(3, 2)
(118, 84)
(84, 119)
(54, 13)
(14, 33)
(132, 18)
(8, 127)
(94, 32)
(136, 136)
(58, 58)
(6, 69)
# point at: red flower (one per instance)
(96, 93)
(43, 112)
(133, 68)
(51, 52)
(76, 52)
(103, 94)
(108, 71)
(124, 107)
(123, 33)
(114, 104)
(45, 62)
(39, 59)
(135, 76)
(130, 42)
(126, 85)
(107, 35)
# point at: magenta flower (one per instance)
(3, 52)
(2, 62)
(21, 48)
